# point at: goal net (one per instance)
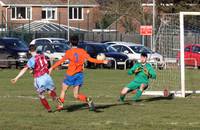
(176, 33)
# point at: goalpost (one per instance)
(182, 43)
(171, 39)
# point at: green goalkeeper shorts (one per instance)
(134, 85)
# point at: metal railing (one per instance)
(112, 59)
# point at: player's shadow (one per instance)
(170, 97)
(76, 107)
(98, 107)
(151, 99)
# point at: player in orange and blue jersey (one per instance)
(42, 80)
(74, 74)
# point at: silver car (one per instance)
(133, 51)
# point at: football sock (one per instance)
(53, 94)
(62, 100)
(122, 97)
(82, 98)
(137, 95)
(45, 104)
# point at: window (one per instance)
(42, 41)
(196, 49)
(111, 49)
(118, 48)
(76, 13)
(49, 13)
(140, 49)
(187, 49)
(126, 50)
(21, 13)
(90, 49)
(48, 49)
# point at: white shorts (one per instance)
(43, 83)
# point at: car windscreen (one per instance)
(60, 41)
(111, 49)
(100, 48)
(60, 47)
(140, 49)
(16, 43)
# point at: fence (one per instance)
(32, 30)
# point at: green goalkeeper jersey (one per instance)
(145, 72)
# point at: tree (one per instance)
(129, 9)
(175, 6)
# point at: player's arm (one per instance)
(95, 60)
(58, 63)
(21, 73)
(30, 64)
(152, 73)
(134, 69)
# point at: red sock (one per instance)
(53, 94)
(62, 100)
(82, 98)
(45, 103)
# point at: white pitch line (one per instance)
(71, 101)
(36, 98)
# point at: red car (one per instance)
(192, 55)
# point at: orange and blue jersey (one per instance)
(76, 57)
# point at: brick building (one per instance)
(82, 13)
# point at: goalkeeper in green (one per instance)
(143, 71)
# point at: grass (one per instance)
(21, 110)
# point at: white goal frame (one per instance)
(182, 93)
(182, 55)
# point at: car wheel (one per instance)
(110, 64)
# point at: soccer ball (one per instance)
(166, 92)
(101, 56)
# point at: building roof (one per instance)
(49, 2)
(47, 26)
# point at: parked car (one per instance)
(94, 49)
(13, 52)
(192, 55)
(49, 40)
(133, 51)
(53, 51)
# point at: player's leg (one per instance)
(83, 98)
(77, 83)
(49, 86)
(39, 84)
(62, 95)
(77, 95)
(44, 102)
(123, 93)
(52, 94)
(139, 92)
(129, 88)
(65, 85)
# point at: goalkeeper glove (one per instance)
(138, 70)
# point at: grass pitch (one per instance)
(20, 108)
